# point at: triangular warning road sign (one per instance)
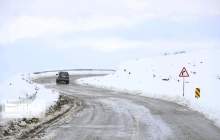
(184, 73)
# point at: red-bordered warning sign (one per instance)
(184, 73)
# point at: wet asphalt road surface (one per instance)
(114, 115)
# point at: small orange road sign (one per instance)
(184, 73)
(197, 93)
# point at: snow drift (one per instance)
(20, 97)
(158, 77)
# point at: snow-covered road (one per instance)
(113, 115)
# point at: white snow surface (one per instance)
(158, 77)
(20, 97)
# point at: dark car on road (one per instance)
(63, 77)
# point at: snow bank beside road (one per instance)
(72, 72)
(20, 97)
(158, 77)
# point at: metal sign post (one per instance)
(184, 74)
(183, 86)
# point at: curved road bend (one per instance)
(113, 115)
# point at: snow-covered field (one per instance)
(158, 77)
(20, 97)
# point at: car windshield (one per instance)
(63, 74)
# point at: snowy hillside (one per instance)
(20, 97)
(158, 77)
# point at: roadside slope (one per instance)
(158, 77)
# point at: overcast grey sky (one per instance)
(47, 34)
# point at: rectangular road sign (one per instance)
(197, 93)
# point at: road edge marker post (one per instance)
(184, 74)
(197, 93)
